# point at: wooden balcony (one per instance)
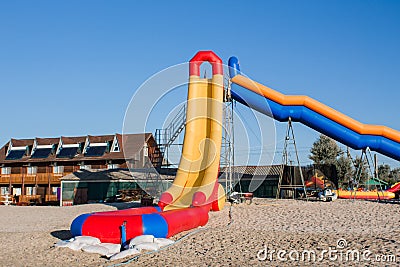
(30, 198)
(51, 198)
(37, 198)
(16, 178)
(4, 178)
(43, 178)
(30, 179)
(39, 178)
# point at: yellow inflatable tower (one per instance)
(196, 181)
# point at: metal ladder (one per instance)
(166, 137)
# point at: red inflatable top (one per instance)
(202, 56)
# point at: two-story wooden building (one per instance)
(31, 168)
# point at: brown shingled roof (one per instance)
(73, 140)
(22, 142)
(47, 141)
(132, 143)
(100, 138)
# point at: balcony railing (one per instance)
(39, 178)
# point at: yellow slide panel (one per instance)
(198, 169)
(214, 125)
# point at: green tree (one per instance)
(387, 174)
(384, 172)
(324, 151)
(395, 175)
(360, 172)
(344, 168)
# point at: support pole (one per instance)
(10, 185)
(357, 178)
(290, 140)
(373, 173)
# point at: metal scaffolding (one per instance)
(227, 148)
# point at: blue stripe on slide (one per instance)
(154, 224)
(77, 224)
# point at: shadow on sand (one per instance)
(123, 205)
(62, 234)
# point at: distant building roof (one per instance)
(375, 181)
(270, 170)
(115, 174)
(129, 145)
(133, 142)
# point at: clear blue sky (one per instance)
(71, 67)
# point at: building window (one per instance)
(30, 191)
(58, 169)
(6, 170)
(42, 152)
(96, 150)
(115, 147)
(4, 190)
(68, 151)
(32, 170)
(16, 153)
(112, 166)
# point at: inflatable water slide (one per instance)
(394, 188)
(376, 194)
(195, 190)
(319, 182)
(319, 117)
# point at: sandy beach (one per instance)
(28, 234)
